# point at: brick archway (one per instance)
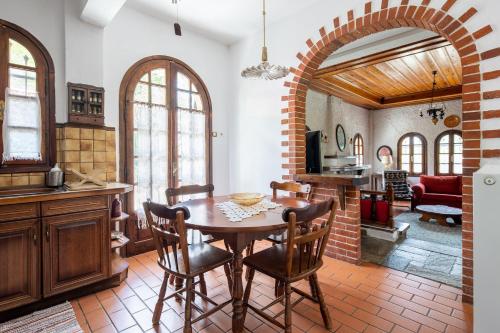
(345, 241)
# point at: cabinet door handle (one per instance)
(47, 233)
(34, 237)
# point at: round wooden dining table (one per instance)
(209, 220)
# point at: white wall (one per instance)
(132, 36)
(390, 124)
(325, 112)
(255, 146)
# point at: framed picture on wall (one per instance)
(340, 135)
(383, 151)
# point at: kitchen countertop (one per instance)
(28, 194)
(333, 179)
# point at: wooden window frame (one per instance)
(411, 135)
(452, 149)
(362, 146)
(46, 88)
(127, 87)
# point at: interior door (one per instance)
(76, 250)
(19, 263)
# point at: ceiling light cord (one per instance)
(264, 48)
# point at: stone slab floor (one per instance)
(366, 298)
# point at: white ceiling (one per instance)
(224, 20)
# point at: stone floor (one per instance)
(423, 254)
(366, 298)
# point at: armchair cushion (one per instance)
(442, 184)
(418, 190)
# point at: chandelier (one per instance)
(265, 70)
(435, 110)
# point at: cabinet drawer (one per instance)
(18, 212)
(58, 207)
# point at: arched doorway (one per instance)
(424, 16)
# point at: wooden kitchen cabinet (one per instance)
(20, 254)
(75, 250)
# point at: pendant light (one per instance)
(435, 111)
(177, 26)
(265, 70)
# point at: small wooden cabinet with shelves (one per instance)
(85, 104)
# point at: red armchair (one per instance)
(438, 190)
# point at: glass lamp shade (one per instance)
(265, 71)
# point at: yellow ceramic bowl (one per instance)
(246, 199)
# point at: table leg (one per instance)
(238, 291)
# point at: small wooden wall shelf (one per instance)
(85, 104)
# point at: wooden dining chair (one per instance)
(182, 260)
(299, 258)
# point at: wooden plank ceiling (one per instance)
(396, 77)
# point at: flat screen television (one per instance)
(313, 152)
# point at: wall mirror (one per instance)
(341, 140)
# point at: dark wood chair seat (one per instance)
(265, 262)
(277, 239)
(202, 258)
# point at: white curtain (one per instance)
(22, 135)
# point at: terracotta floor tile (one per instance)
(399, 320)
(122, 319)
(365, 298)
(424, 320)
(97, 319)
(373, 320)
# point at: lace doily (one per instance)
(237, 213)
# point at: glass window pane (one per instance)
(19, 55)
(159, 76)
(22, 82)
(457, 168)
(406, 141)
(197, 104)
(417, 168)
(183, 99)
(457, 138)
(417, 149)
(444, 168)
(443, 158)
(182, 81)
(145, 78)
(445, 139)
(405, 159)
(24, 143)
(23, 111)
(405, 150)
(458, 148)
(141, 93)
(444, 148)
(158, 95)
(193, 88)
(457, 158)
(405, 167)
(417, 159)
(417, 140)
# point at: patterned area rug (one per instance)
(57, 319)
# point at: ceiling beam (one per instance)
(443, 94)
(376, 58)
(99, 12)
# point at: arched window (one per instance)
(27, 139)
(448, 147)
(166, 122)
(412, 154)
(359, 149)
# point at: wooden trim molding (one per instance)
(451, 152)
(412, 135)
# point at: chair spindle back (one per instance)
(169, 237)
(174, 193)
(310, 240)
(302, 190)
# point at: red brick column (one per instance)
(345, 239)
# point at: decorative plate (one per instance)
(383, 151)
(452, 121)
